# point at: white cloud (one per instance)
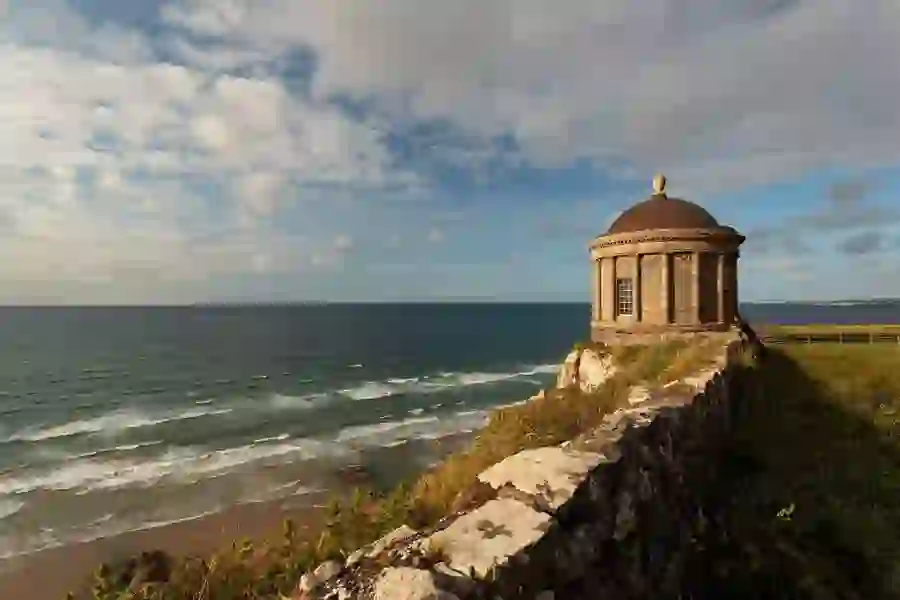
(743, 92)
(342, 243)
(103, 151)
(128, 172)
(435, 235)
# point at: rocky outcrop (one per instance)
(587, 369)
(615, 506)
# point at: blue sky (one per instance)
(173, 151)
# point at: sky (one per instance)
(180, 151)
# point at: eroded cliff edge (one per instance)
(615, 505)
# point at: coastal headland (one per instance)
(809, 426)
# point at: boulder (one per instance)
(594, 369)
(401, 534)
(322, 574)
(568, 373)
(550, 474)
(586, 369)
(404, 583)
(489, 536)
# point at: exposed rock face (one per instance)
(586, 369)
(614, 507)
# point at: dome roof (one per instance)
(662, 212)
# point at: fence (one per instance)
(831, 337)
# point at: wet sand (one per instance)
(50, 574)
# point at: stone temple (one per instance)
(665, 267)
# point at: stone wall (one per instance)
(607, 515)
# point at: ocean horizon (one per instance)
(114, 419)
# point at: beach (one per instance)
(50, 574)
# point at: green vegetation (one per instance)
(249, 572)
(810, 504)
(825, 328)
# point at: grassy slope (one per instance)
(246, 572)
(811, 508)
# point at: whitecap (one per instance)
(370, 391)
(10, 507)
(275, 438)
(181, 464)
(111, 422)
(284, 401)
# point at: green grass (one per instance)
(248, 572)
(811, 508)
(825, 328)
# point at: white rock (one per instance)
(327, 571)
(404, 583)
(355, 557)
(488, 536)
(594, 370)
(401, 534)
(551, 473)
(638, 394)
(307, 583)
(567, 375)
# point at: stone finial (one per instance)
(659, 184)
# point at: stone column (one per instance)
(607, 289)
(638, 308)
(665, 301)
(720, 286)
(695, 285)
(735, 297)
(596, 296)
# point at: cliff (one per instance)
(606, 511)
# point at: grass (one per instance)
(248, 572)
(826, 328)
(811, 504)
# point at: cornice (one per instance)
(718, 235)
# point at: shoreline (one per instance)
(71, 565)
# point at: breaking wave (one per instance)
(189, 464)
(119, 420)
(427, 384)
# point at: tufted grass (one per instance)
(255, 572)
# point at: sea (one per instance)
(127, 418)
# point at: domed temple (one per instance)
(665, 266)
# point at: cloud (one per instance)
(159, 151)
(863, 243)
(848, 192)
(435, 235)
(343, 243)
(119, 168)
(679, 86)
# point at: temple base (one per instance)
(641, 334)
